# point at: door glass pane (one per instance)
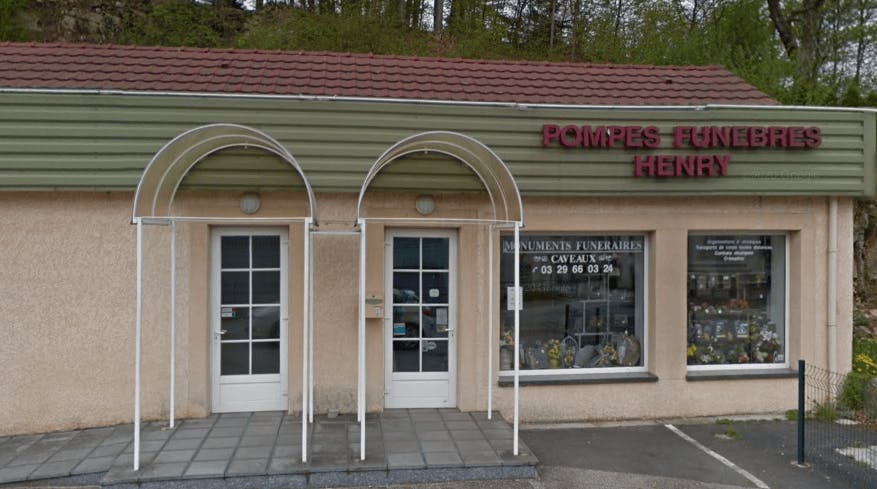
(266, 251)
(405, 322)
(235, 359)
(406, 356)
(266, 287)
(236, 323)
(435, 322)
(266, 323)
(235, 287)
(266, 357)
(406, 289)
(435, 355)
(435, 253)
(235, 252)
(406, 253)
(435, 288)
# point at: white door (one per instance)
(419, 329)
(249, 319)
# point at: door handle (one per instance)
(220, 332)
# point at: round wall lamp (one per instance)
(250, 202)
(425, 205)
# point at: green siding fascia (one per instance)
(103, 142)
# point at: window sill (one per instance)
(506, 380)
(742, 374)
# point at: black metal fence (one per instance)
(835, 435)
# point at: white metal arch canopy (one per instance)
(490, 169)
(505, 198)
(153, 203)
(162, 176)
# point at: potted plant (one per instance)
(506, 350)
(553, 352)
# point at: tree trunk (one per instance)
(783, 27)
(438, 15)
(551, 19)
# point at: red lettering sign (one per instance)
(696, 138)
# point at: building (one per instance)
(684, 240)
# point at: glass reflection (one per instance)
(266, 251)
(235, 252)
(266, 323)
(405, 322)
(266, 357)
(435, 322)
(406, 253)
(236, 323)
(435, 253)
(406, 288)
(435, 287)
(235, 288)
(266, 287)
(235, 359)
(406, 356)
(435, 355)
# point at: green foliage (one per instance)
(182, 23)
(851, 393)
(864, 369)
(859, 318)
(865, 356)
(741, 38)
(731, 433)
(285, 28)
(826, 412)
(12, 20)
(852, 97)
(792, 415)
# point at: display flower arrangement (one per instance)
(707, 355)
(569, 357)
(507, 338)
(552, 350)
(767, 348)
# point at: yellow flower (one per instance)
(692, 350)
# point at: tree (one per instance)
(12, 26)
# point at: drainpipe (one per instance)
(832, 284)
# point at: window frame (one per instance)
(643, 368)
(724, 367)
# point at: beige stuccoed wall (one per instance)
(67, 293)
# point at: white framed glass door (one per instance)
(249, 319)
(420, 322)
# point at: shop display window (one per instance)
(583, 302)
(736, 300)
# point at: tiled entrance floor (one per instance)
(402, 446)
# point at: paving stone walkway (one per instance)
(402, 446)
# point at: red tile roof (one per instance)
(166, 69)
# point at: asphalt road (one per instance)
(765, 449)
